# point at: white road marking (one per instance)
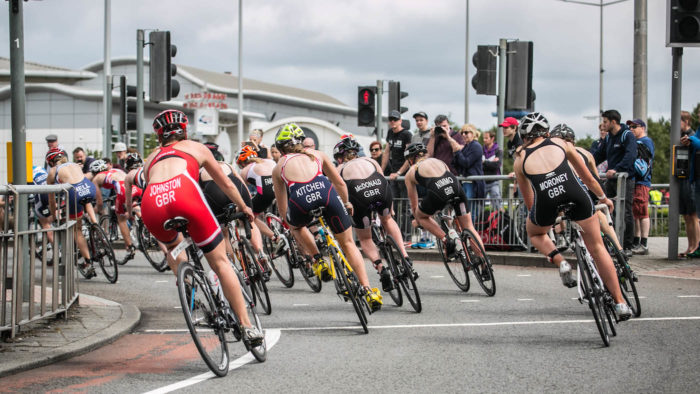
(300, 304)
(272, 336)
(513, 323)
(437, 276)
(689, 296)
(526, 299)
(524, 275)
(177, 307)
(161, 281)
(468, 300)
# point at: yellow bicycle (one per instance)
(346, 282)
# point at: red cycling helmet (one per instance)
(170, 122)
(53, 154)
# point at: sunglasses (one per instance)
(634, 126)
(375, 150)
(394, 120)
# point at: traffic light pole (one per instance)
(107, 100)
(502, 49)
(674, 186)
(378, 100)
(139, 90)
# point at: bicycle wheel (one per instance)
(391, 264)
(260, 351)
(150, 248)
(520, 224)
(102, 252)
(257, 283)
(593, 295)
(624, 276)
(281, 264)
(203, 318)
(610, 312)
(304, 265)
(404, 275)
(480, 263)
(457, 267)
(349, 286)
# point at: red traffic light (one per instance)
(366, 97)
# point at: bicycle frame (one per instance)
(330, 241)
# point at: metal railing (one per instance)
(34, 286)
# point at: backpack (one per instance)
(642, 165)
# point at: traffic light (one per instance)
(519, 93)
(484, 59)
(366, 105)
(395, 96)
(127, 106)
(162, 86)
(683, 23)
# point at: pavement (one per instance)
(95, 322)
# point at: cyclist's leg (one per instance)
(368, 246)
(229, 281)
(608, 229)
(262, 226)
(429, 224)
(227, 238)
(45, 223)
(91, 212)
(353, 255)
(601, 257)
(540, 240)
(305, 240)
(255, 238)
(466, 222)
(80, 238)
(392, 228)
(124, 229)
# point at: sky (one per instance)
(334, 46)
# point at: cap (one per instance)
(420, 113)
(51, 138)
(509, 121)
(394, 114)
(637, 122)
(119, 146)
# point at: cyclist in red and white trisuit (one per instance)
(171, 172)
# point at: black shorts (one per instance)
(261, 202)
(437, 198)
(218, 200)
(687, 197)
(305, 197)
(544, 211)
(369, 195)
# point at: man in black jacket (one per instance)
(619, 148)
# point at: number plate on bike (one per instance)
(181, 247)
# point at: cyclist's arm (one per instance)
(411, 188)
(128, 181)
(50, 180)
(332, 173)
(280, 192)
(98, 180)
(580, 167)
(525, 191)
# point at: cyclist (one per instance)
(172, 171)
(113, 179)
(218, 201)
(41, 204)
(134, 183)
(258, 172)
(544, 164)
(441, 188)
(301, 186)
(368, 191)
(62, 171)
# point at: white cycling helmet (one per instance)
(533, 125)
(98, 166)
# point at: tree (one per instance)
(659, 132)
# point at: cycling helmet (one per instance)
(414, 149)
(98, 166)
(533, 125)
(133, 160)
(170, 122)
(564, 132)
(289, 134)
(214, 149)
(54, 154)
(348, 135)
(244, 154)
(345, 145)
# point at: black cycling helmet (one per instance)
(414, 149)
(133, 160)
(564, 132)
(533, 125)
(345, 145)
(214, 148)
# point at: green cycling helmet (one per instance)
(289, 134)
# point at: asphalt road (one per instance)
(532, 336)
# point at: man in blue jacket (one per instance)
(643, 169)
(689, 189)
(619, 148)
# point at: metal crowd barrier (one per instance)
(34, 286)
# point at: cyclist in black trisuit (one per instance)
(542, 163)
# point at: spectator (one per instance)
(275, 153)
(640, 209)
(619, 148)
(393, 161)
(255, 137)
(493, 156)
(52, 142)
(444, 142)
(308, 143)
(602, 133)
(688, 192)
(119, 151)
(375, 151)
(469, 163)
(83, 159)
(422, 133)
(656, 197)
(510, 128)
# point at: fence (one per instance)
(31, 291)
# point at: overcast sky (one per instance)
(333, 46)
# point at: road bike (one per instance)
(208, 315)
(149, 246)
(110, 225)
(401, 271)
(346, 282)
(470, 257)
(99, 247)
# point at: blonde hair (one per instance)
(296, 148)
(471, 129)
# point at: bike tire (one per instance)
(592, 293)
(255, 276)
(405, 275)
(392, 266)
(260, 351)
(480, 263)
(457, 268)
(281, 265)
(149, 247)
(624, 277)
(349, 286)
(202, 318)
(102, 251)
(313, 281)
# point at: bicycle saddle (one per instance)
(177, 223)
(316, 212)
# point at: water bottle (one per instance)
(214, 282)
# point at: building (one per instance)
(69, 103)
